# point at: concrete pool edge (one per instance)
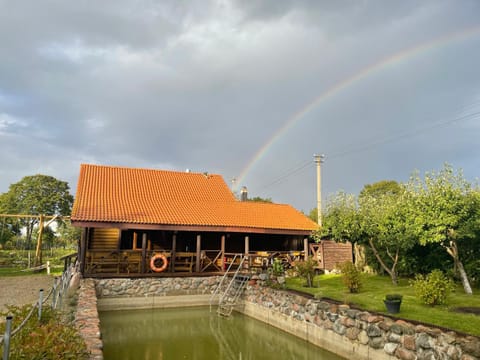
(152, 302)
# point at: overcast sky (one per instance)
(246, 89)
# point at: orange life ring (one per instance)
(164, 263)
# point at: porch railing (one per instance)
(211, 260)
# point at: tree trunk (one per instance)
(28, 236)
(309, 281)
(453, 251)
(464, 278)
(391, 272)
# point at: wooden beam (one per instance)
(199, 249)
(38, 252)
(134, 241)
(83, 250)
(247, 250)
(144, 252)
(174, 251)
(305, 249)
(222, 249)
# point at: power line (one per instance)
(405, 135)
(305, 165)
(288, 174)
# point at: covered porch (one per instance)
(126, 252)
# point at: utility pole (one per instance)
(319, 160)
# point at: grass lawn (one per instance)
(54, 270)
(13, 261)
(373, 291)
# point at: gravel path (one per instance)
(22, 290)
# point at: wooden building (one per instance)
(329, 254)
(187, 222)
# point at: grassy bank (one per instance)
(16, 262)
(373, 292)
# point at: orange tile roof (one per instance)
(145, 196)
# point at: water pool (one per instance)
(197, 334)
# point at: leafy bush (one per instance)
(277, 268)
(49, 338)
(432, 289)
(351, 277)
(306, 270)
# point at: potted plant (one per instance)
(393, 302)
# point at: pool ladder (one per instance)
(229, 298)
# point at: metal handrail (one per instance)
(219, 286)
(231, 282)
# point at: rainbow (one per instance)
(345, 83)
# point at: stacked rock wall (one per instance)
(354, 333)
(86, 319)
(147, 287)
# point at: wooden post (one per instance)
(174, 251)
(38, 253)
(222, 249)
(144, 252)
(305, 249)
(134, 244)
(83, 250)
(199, 248)
(247, 250)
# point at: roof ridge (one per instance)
(107, 193)
(122, 167)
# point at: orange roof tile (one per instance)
(145, 196)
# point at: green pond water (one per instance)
(197, 334)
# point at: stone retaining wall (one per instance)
(353, 333)
(338, 328)
(156, 286)
(86, 318)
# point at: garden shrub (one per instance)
(277, 268)
(306, 270)
(50, 338)
(434, 288)
(351, 277)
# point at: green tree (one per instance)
(376, 220)
(6, 231)
(68, 234)
(341, 220)
(381, 188)
(446, 212)
(35, 195)
(388, 234)
(49, 238)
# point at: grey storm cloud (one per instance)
(207, 85)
